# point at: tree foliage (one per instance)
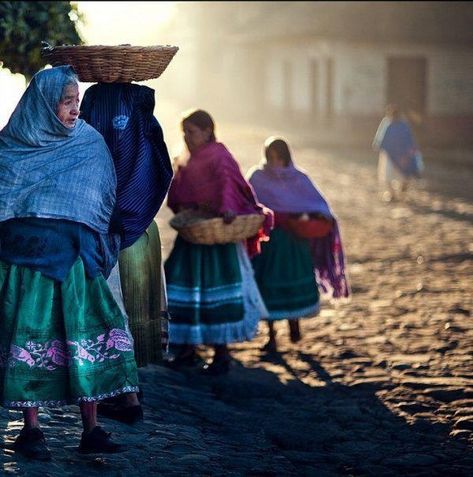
(24, 25)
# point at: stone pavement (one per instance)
(379, 386)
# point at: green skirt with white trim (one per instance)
(61, 343)
(212, 294)
(285, 276)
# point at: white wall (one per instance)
(300, 60)
(274, 80)
(360, 80)
(450, 83)
(360, 76)
(301, 95)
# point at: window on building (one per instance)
(314, 87)
(329, 87)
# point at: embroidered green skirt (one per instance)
(285, 276)
(212, 294)
(61, 343)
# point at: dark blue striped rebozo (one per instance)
(123, 114)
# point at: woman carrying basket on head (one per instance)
(124, 114)
(304, 252)
(213, 298)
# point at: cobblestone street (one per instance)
(379, 386)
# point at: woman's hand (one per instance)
(229, 216)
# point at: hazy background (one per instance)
(323, 69)
(381, 385)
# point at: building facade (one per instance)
(333, 66)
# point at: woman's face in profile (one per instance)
(68, 107)
(195, 137)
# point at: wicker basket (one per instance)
(112, 64)
(313, 228)
(202, 228)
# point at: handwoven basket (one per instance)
(112, 64)
(199, 227)
(312, 228)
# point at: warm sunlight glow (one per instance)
(114, 23)
(11, 89)
(104, 23)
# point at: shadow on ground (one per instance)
(258, 425)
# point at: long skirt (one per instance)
(285, 275)
(61, 343)
(387, 171)
(389, 174)
(141, 285)
(212, 294)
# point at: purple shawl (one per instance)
(289, 190)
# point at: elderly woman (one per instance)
(213, 297)
(291, 269)
(63, 338)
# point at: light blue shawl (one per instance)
(51, 171)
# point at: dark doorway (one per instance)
(407, 85)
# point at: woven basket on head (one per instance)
(199, 227)
(111, 64)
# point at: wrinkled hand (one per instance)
(229, 216)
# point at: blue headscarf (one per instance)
(49, 170)
(123, 114)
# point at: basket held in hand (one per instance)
(202, 228)
(111, 64)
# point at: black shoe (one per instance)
(97, 441)
(32, 444)
(217, 368)
(128, 415)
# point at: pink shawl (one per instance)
(212, 180)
